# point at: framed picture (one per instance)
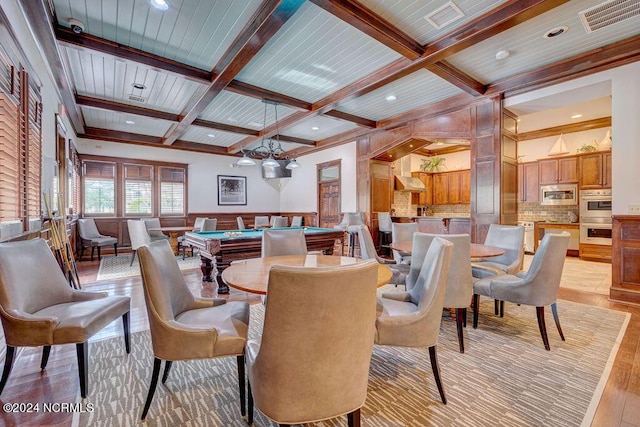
(232, 190)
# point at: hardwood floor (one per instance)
(619, 406)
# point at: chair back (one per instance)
(283, 242)
(30, 279)
(87, 229)
(384, 222)
(367, 247)
(511, 239)
(153, 223)
(197, 224)
(138, 233)
(296, 221)
(279, 221)
(317, 342)
(402, 232)
(209, 224)
(240, 222)
(261, 221)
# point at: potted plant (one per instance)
(432, 164)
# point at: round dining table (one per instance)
(477, 250)
(252, 275)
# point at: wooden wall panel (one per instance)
(625, 277)
(485, 182)
(485, 147)
(455, 123)
(485, 118)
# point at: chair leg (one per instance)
(82, 350)
(476, 308)
(92, 249)
(99, 256)
(115, 248)
(459, 316)
(167, 367)
(45, 356)
(501, 308)
(133, 256)
(152, 387)
(496, 304)
(249, 404)
(241, 387)
(554, 310)
(125, 326)
(543, 327)
(8, 364)
(464, 317)
(81, 252)
(436, 372)
(353, 418)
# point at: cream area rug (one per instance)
(505, 377)
(112, 267)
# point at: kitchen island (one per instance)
(438, 224)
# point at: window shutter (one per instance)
(138, 189)
(172, 191)
(9, 159)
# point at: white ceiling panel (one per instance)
(106, 77)
(286, 146)
(313, 55)
(327, 127)
(408, 15)
(194, 32)
(239, 110)
(203, 136)
(574, 113)
(114, 120)
(415, 90)
(530, 50)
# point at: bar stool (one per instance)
(351, 221)
(384, 230)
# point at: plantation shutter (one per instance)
(99, 187)
(138, 189)
(172, 191)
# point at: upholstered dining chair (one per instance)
(138, 235)
(312, 361)
(154, 223)
(261, 221)
(38, 308)
(92, 238)
(412, 319)
(402, 232)
(296, 221)
(537, 287)
(350, 223)
(240, 223)
(368, 251)
(184, 327)
(197, 226)
(279, 221)
(283, 242)
(385, 228)
(209, 224)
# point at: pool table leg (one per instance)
(223, 288)
(206, 267)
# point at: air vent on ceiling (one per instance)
(136, 98)
(609, 13)
(444, 15)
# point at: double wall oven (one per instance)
(595, 217)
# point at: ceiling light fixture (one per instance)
(576, 116)
(555, 32)
(503, 54)
(391, 98)
(269, 149)
(210, 135)
(315, 128)
(159, 4)
(130, 122)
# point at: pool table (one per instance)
(225, 246)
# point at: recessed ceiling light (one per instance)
(130, 122)
(139, 86)
(576, 116)
(210, 135)
(439, 143)
(410, 145)
(555, 32)
(503, 54)
(159, 4)
(391, 98)
(315, 128)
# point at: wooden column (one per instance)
(625, 278)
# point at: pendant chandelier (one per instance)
(269, 149)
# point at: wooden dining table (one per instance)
(252, 275)
(173, 234)
(478, 250)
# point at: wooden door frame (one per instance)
(319, 167)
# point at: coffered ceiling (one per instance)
(193, 76)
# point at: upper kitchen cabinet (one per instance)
(440, 189)
(381, 186)
(423, 197)
(595, 170)
(451, 188)
(528, 182)
(559, 171)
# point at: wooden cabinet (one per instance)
(454, 188)
(595, 170)
(559, 171)
(440, 189)
(451, 188)
(465, 186)
(423, 198)
(528, 182)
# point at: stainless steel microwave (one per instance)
(561, 194)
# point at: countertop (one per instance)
(431, 216)
(545, 224)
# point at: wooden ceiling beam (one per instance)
(570, 128)
(448, 72)
(360, 121)
(90, 43)
(370, 23)
(260, 93)
(285, 138)
(263, 25)
(104, 104)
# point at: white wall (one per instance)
(453, 161)
(262, 195)
(625, 113)
(300, 193)
(534, 149)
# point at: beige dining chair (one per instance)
(412, 319)
(154, 223)
(402, 232)
(184, 327)
(240, 223)
(38, 308)
(279, 221)
(296, 221)
(312, 360)
(368, 251)
(197, 226)
(283, 242)
(91, 237)
(537, 287)
(261, 221)
(138, 235)
(209, 224)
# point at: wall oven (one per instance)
(563, 194)
(595, 233)
(595, 217)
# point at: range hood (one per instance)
(408, 183)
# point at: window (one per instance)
(138, 190)
(172, 183)
(99, 188)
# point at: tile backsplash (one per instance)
(402, 207)
(531, 211)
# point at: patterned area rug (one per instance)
(112, 267)
(506, 377)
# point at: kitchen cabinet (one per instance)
(440, 189)
(559, 171)
(423, 198)
(440, 225)
(465, 186)
(454, 188)
(528, 182)
(595, 170)
(451, 188)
